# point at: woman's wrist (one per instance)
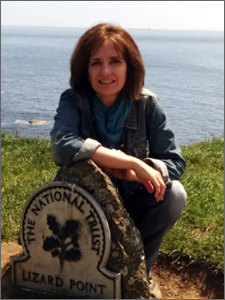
(135, 163)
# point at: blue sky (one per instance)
(180, 15)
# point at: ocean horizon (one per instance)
(184, 68)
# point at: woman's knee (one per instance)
(178, 193)
(176, 200)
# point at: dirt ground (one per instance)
(187, 282)
(175, 281)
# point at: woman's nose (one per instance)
(106, 69)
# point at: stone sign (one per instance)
(66, 241)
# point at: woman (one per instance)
(108, 116)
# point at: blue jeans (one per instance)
(154, 219)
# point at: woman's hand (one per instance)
(149, 176)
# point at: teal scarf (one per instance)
(109, 121)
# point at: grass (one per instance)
(197, 236)
(26, 165)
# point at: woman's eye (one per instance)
(116, 62)
(95, 63)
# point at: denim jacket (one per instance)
(74, 136)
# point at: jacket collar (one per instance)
(131, 120)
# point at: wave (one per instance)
(20, 122)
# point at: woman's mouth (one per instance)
(106, 81)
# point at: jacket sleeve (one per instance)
(161, 139)
(67, 145)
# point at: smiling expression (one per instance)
(107, 72)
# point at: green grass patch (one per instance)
(26, 165)
(198, 235)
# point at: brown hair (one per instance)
(91, 40)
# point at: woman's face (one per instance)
(107, 72)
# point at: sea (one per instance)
(184, 68)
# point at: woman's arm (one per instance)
(162, 143)
(67, 145)
(134, 169)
